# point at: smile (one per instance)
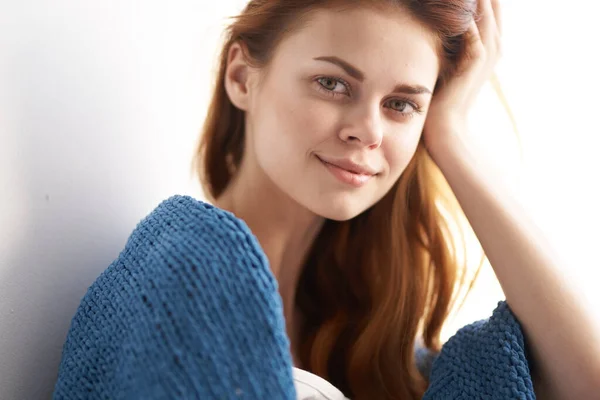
(346, 176)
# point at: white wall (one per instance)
(100, 108)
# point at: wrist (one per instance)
(447, 141)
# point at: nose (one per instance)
(363, 127)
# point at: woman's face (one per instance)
(349, 89)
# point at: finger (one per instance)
(498, 15)
(486, 23)
(473, 51)
(474, 40)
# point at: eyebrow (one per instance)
(360, 76)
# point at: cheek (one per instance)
(286, 127)
(296, 122)
(399, 150)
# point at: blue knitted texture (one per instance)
(483, 360)
(190, 310)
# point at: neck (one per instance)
(284, 229)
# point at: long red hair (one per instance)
(365, 298)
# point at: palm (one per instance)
(451, 103)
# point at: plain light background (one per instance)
(100, 109)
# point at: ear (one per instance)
(237, 84)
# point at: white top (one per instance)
(312, 387)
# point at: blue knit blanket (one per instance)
(190, 310)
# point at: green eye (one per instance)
(398, 105)
(328, 83)
(401, 106)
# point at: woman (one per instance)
(325, 132)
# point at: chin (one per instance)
(339, 209)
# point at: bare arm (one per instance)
(564, 339)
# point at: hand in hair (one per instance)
(454, 97)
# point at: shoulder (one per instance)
(183, 218)
(183, 249)
(191, 233)
(185, 259)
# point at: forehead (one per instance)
(382, 44)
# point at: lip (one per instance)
(349, 165)
(347, 171)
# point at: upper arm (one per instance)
(541, 386)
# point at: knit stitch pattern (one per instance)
(483, 360)
(190, 310)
